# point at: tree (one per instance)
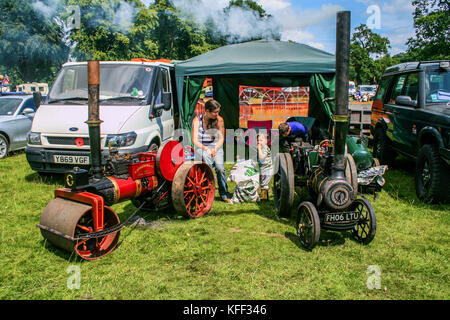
(114, 30)
(177, 38)
(31, 45)
(432, 30)
(368, 55)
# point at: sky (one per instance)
(314, 22)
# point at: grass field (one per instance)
(235, 252)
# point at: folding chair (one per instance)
(258, 126)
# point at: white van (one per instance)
(137, 108)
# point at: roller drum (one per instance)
(62, 221)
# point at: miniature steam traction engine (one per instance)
(327, 173)
(79, 217)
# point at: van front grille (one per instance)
(68, 141)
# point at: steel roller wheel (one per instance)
(69, 218)
(283, 185)
(308, 225)
(366, 227)
(193, 189)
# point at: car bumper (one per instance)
(41, 159)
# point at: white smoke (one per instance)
(239, 24)
(47, 8)
(121, 16)
(292, 23)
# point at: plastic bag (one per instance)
(246, 176)
(243, 172)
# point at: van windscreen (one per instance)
(116, 81)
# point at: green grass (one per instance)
(234, 252)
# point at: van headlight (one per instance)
(34, 138)
(121, 140)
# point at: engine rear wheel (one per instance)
(351, 173)
(193, 189)
(283, 185)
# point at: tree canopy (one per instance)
(35, 38)
(368, 55)
(432, 30)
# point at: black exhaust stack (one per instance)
(94, 118)
(341, 92)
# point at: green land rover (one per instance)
(411, 116)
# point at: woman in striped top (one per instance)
(208, 132)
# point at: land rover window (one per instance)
(411, 86)
(398, 87)
(437, 87)
(384, 86)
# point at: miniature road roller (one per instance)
(80, 218)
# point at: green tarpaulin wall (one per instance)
(263, 63)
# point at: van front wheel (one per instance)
(153, 146)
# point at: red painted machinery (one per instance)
(80, 219)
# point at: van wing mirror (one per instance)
(27, 111)
(405, 101)
(167, 100)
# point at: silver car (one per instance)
(16, 117)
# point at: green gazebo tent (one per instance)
(262, 63)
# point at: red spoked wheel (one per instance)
(193, 189)
(94, 248)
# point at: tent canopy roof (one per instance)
(255, 57)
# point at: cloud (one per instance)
(302, 25)
(397, 23)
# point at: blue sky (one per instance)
(313, 22)
(395, 19)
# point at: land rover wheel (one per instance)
(381, 149)
(432, 176)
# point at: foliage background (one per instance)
(35, 38)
